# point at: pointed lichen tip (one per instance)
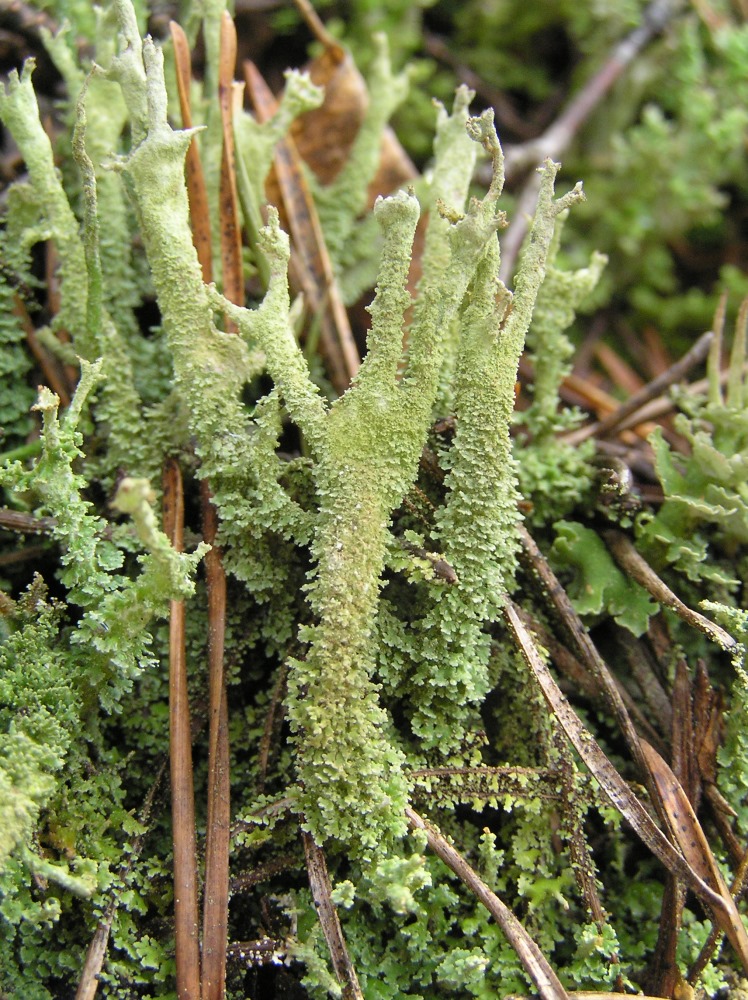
(46, 400)
(15, 81)
(402, 204)
(272, 238)
(302, 90)
(381, 44)
(463, 99)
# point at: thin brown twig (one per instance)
(636, 567)
(26, 524)
(556, 139)
(316, 25)
(51, 371)
(533, 961)
(628, 412)
(582, 863)
(180, 750)
(246, 880)
(485, 783)
(583, 679)
(259, 952)
(218, 835)
(319, 882)
(506, 114)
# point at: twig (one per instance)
(26, 524)
(584, 680)
(533, 961)
(556, 139)
(216, 892)
(315, 24)
(245, 881)
(260, 952)
(54, 377)
(506, 114)
(486, 782)
(319, 882)
(580, 855)
(559, 599)
(626, 413)
(642, 573)
(180, 750)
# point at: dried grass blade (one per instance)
(686, 831)
(180, 750)
(533, 960)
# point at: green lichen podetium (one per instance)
(365, 447)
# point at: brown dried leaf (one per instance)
(707, 714)
(611, 782)
(324, 136)
(687, 833)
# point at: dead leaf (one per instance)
(611, 782)
(687, 833)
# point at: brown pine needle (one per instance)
(230, 227)
(636, 567)
(180, 751)
(216, 892)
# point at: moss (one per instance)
(369, 552)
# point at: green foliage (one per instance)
(705, 514)
(366, 585)
(599, 585)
